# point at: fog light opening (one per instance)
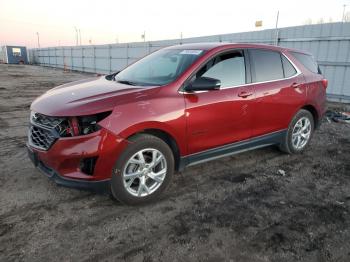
(87, 165)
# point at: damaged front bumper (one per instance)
(63, 161)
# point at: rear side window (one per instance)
(307, 61)
(266, 64)
(288, 68)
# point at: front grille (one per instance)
(41, 138)
(44, 130)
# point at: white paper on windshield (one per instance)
(191, 52)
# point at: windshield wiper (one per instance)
(126, 82)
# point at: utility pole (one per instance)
(343, 18)
(76, 35)
(276, 29)
(144, 36)
(79, 37)
(37, 34)
(181, 38)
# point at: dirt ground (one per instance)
(238, 208)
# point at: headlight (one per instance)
(32, 116)
(69, 126)
(84, 125)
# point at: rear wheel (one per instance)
(299, 133)
(143, 170)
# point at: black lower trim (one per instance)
(99, 186)
(230, 149)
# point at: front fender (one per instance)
(165, 114)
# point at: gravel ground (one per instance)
(238, 208)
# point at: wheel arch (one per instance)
(166, 137)
(314, 113)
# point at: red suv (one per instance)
(176, 107)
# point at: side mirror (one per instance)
(111, 76)
(204, 83)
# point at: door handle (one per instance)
(245, 94)
(295, 85)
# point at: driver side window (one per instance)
(229, 68)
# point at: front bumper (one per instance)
(99, 186)
(62, 162)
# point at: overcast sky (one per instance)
(109, 21)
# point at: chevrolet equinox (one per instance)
(179, 106)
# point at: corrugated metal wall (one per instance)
(329, 43)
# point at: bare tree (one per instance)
(323, 20)
(347, 17)
(320, 21)
(308, 21)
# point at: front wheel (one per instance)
(299, 133)
(143, 170)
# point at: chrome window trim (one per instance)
(298, 72)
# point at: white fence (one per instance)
(329, 43)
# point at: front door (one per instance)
(219, 117)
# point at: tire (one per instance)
(139, 162)
(289, 142)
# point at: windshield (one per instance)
(159, 68)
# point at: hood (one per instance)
(85, 97)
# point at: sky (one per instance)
(112, 21)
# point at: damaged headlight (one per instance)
(60, 125)
(84, 125)
(69, 126)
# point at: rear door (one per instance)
(220, 117)
(279, 90)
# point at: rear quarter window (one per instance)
(288, 68)
(308, 61)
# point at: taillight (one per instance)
(325, 83)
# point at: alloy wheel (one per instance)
(301, 133)
(144, 172)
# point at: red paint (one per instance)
(325, 83)
(196, 122)
(74, 125)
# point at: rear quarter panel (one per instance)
(315, 91)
